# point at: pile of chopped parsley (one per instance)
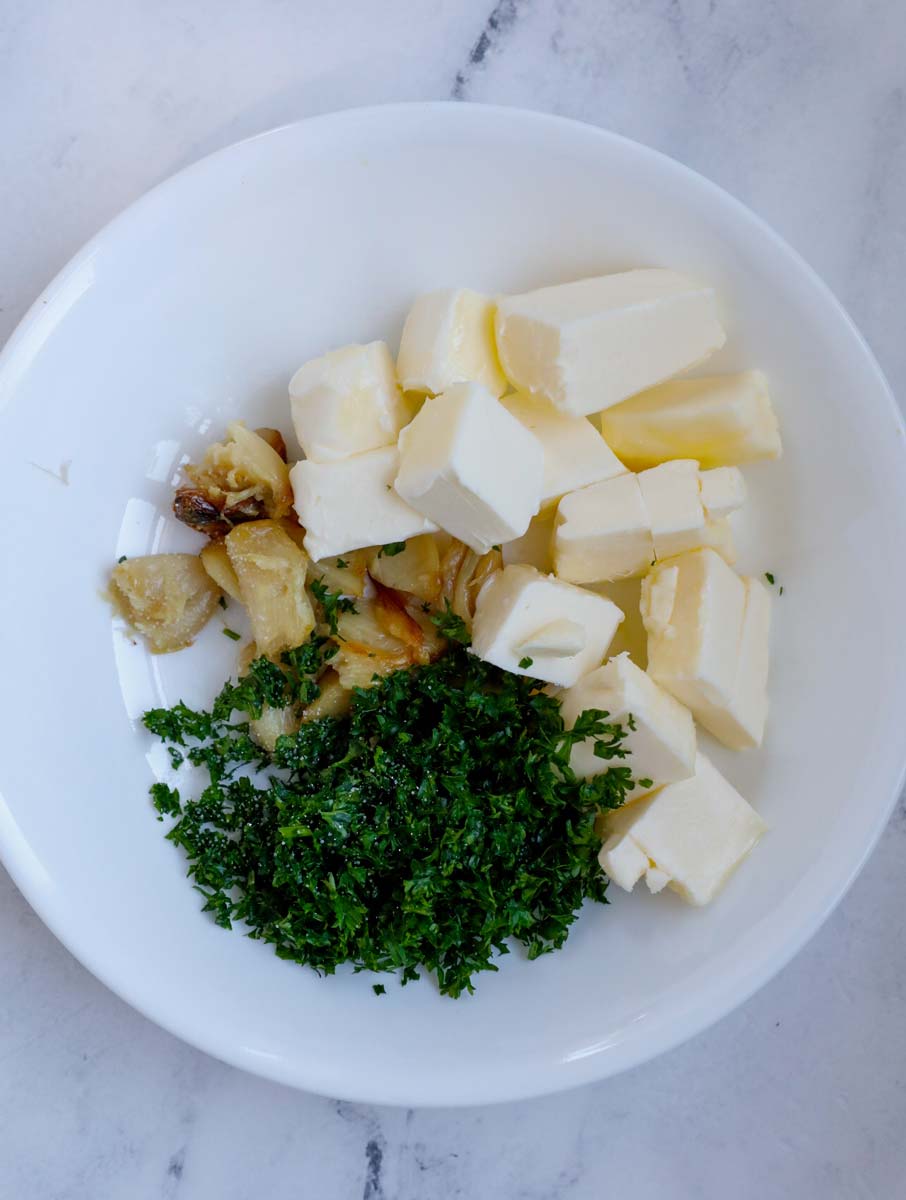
(438, 820)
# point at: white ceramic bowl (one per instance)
(195, 306)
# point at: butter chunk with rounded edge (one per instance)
(536, 625)
(471, 467)
(690, 835)
(590, 344)
(448, 338)
(350, 504)
(347, 402)
(660, 736)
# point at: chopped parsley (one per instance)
(391, 550)
(342, 564)
(333, 603)
(769, 577)
(222, 602)
(165, 800)
(451, 626)
(525, 663)
(121, 559)
(378, 989)
(231, 633)
(436, 822)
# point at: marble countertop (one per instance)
(797, 108)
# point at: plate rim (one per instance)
(545, 1079)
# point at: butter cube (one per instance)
(672, 497)
(575, 454)
(535, 547)
(449, 338)
(471, 467)
(588, 345)
(624, 862)
(347, 402)
(661, 739)
(708, 634)
(744, 719)
(352, 503)
(603, 532)
(618, 528)
(718, 534)
(723, 491)
(564, 630)
(722, 421)
(690, 835)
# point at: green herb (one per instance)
(780, 593)
(525, 663)
(769, 577)
(391, 549)
(451, 626)
(222, 602)
(378, 989)
(645, 783)
(333, 603)
(495, 547)
(121, 559)
(342, 564)
(437, 821)
(166, 800)
(231, 633)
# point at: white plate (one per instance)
(195, 306)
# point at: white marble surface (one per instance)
(797, 107)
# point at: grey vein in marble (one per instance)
(502, 17)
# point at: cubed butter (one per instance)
(602, 532)
(723, 491)
(449, 338)
(689, 835)
(564, 630)
(722, 420)
(471, 467)
(671, 494)
(661, 738)
(744, 719)
(347, 402)
(708, 633)
(575, 453)
(658, 599)
(535, 547)
(623, 861)
(718, 535)
(350, 504)
(590, 344)
(619, 528)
